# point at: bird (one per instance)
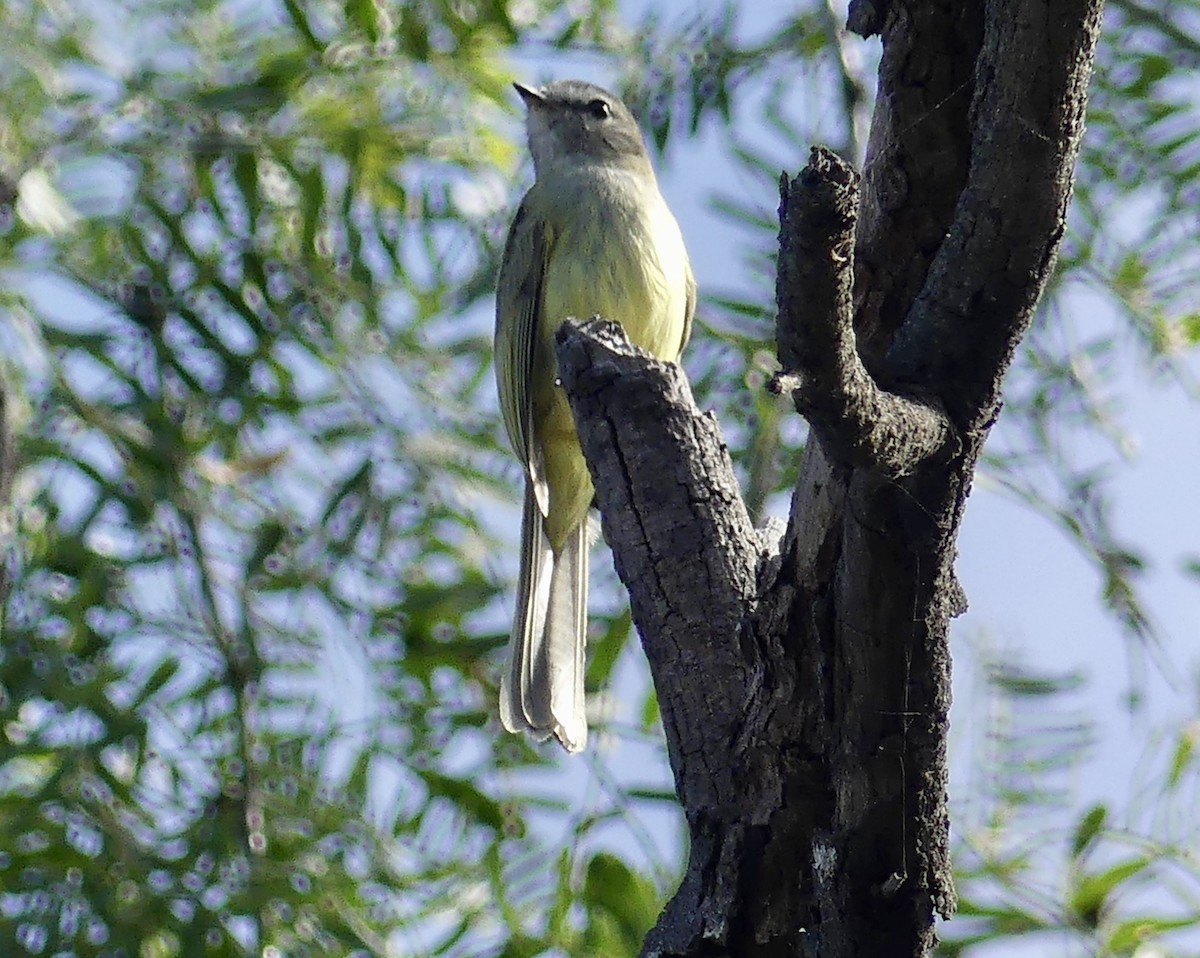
(592, 236)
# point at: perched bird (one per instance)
(592, 236)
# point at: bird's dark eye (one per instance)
(599, 110)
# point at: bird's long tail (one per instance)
(541, 691)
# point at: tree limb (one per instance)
(859, 423)
(1027, 120)
(673, 514)
(805, 695)
(917, 156)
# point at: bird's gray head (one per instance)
(570, 119)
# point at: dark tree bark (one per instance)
(805, 684)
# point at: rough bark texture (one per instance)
(859, 422)
(681, 523)
(805, 684)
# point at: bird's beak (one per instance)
(531, 96)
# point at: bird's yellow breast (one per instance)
(615, 250)
(618, 252)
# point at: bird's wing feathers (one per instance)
(689, 308)
(518, 307)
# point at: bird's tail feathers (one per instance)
(541, 691)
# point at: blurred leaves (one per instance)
(247, 650)
(1139, 170)
(1029, 861)
(622, 907)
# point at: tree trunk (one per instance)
(805, 683)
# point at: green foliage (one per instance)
(246, 653)
(1029, 865)
(622, 907)
(1143, 158)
